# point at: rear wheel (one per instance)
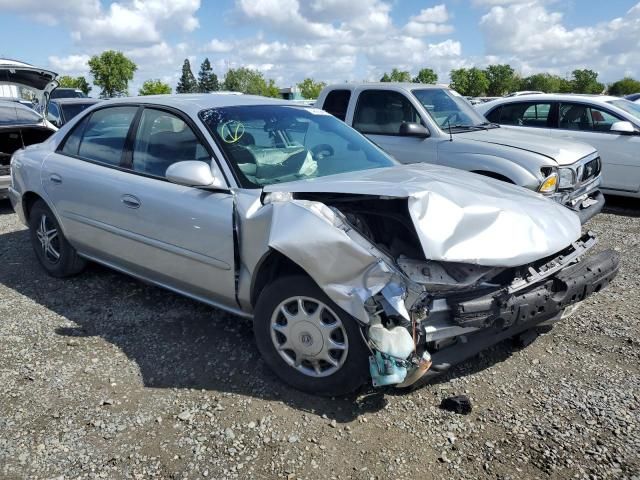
(307, 340)
(54, 252)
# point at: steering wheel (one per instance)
(322, 151)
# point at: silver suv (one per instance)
(434, 124)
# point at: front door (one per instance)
(379, 114)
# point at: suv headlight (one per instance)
(549, 184)
(566, 178)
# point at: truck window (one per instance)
(381, 112)
(337, 102)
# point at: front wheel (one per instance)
(307, 340)
(54, 252)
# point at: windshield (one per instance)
(449, 108)
(629, 107)
(267, 144)
(70, 110)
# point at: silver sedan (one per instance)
(352, 267)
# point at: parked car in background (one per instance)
(61, 110)
(434, 124)
(610, 124)
(634, 97)
(68, 93)
(20, 125)
(523, 92)
(352, 266)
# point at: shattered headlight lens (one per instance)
(549, 184)
(566, 178)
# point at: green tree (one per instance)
(207, 80)
(543, 82)
(396, 76)
(502, 80)
(249, 81)
(78, 82)
(470, 82)
(585, 81)
(426, 75)
(154, 87)
(310, 89)
(112, 71)
(626, 86)
(187, 82)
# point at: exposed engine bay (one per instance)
(429, 307)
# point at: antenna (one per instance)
(449, 125)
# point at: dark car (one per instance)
(634, 97)
(61, 110)
(68, 93)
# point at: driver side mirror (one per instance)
(194, 173)
(623, 128)
(412, 129)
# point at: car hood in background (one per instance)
(460, 216)
(565, 152)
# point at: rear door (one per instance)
(84, 180)
(534, 117)
(379, 114)
(591, 124)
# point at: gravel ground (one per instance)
(106, 377)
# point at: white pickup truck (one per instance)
(434, 124)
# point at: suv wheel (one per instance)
(54, 252)
(307, 340)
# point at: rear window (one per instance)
(337, 103)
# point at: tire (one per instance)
(331, 327)
(67, 263)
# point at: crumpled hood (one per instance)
(460, 216)
(565, 152)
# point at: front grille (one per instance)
(591, 169)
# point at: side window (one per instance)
(526, 114)
(494, 115)
(72, 143)
(53, 114)
(337, 102)
(382, 112)
(106, 133)
(575, 116)
(163, 139)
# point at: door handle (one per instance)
(130, 201)
(55, 178)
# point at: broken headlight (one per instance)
(566, 178)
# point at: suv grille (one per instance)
(591, 169)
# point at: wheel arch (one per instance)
(495, 175)
(272, 265)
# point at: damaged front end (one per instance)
(425, 305)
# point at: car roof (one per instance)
(195, 102)
(64, 101)
(385, 85)
(558, 96)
